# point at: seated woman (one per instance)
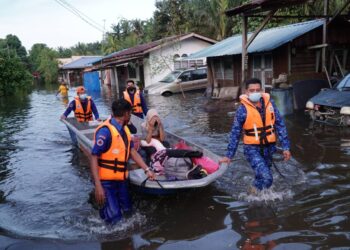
(153, 130)
(152, 135)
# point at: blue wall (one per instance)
(91, 81)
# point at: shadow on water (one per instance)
(45, 182)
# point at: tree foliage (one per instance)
(13, 73)
(84, 49)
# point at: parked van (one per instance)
(178, 81)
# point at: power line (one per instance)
(79, 14)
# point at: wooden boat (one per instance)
(82, 136)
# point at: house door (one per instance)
(262, 69)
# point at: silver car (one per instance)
(178, 81)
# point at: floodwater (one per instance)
(45, 182)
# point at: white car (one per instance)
(178, 81)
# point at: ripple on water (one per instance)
(95, 227)
(267, 195)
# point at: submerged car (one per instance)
(332, 105)
(178, 81)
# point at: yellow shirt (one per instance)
(63, 90)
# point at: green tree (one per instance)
(126, 34)
(13, 73)
(48, 65)
(14, 44)
(84, 49)
(34, 55)
(64, 52)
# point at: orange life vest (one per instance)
(136, 106)
(112, 164)
(80, 114)
(255, 130)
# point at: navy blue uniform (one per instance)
(71, 107)
(143, 105)
(261, 163)
(116, 192)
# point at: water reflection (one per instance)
(258, 222)
(13, 113)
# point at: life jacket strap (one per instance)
(113, 165)
(259, 129)
(260, 134)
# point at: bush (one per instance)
(13, 74)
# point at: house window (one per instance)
(224, 68)
(262, 68)
(132, 70)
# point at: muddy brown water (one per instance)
(45, 181)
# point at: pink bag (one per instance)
(208, 164)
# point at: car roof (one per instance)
(191, 69)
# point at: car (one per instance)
(332, 105)
(178, 81)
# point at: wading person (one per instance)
(63, 89)
(262, 124)
(136, 99)
(110, 154)
(83, 107)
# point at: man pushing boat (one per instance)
(260, 121)
(110, 154)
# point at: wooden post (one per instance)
(324, 35)
(244, 51)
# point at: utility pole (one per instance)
(324, 33)
(104, 29)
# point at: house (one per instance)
(150, 62)
(292, 50)
(73, 72)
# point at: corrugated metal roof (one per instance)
(82, 62)
(266, 40)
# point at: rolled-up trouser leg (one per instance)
(263, 175)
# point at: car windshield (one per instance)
(171, 76)
(344, 84)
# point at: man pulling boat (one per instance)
(260, 121)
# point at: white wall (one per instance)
(160, 62)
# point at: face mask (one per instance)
(254, 97)
(82, 96)
(131, 89)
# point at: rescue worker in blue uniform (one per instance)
(112, 148)
(83, 107)
(136, 99)
(260, 121)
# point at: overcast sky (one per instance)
(46, 21)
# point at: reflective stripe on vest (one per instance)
(136, 106)
(79, 111)
(254, 130)
(112, 164)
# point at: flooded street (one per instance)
(45, 182)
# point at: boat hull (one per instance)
(82, 136)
